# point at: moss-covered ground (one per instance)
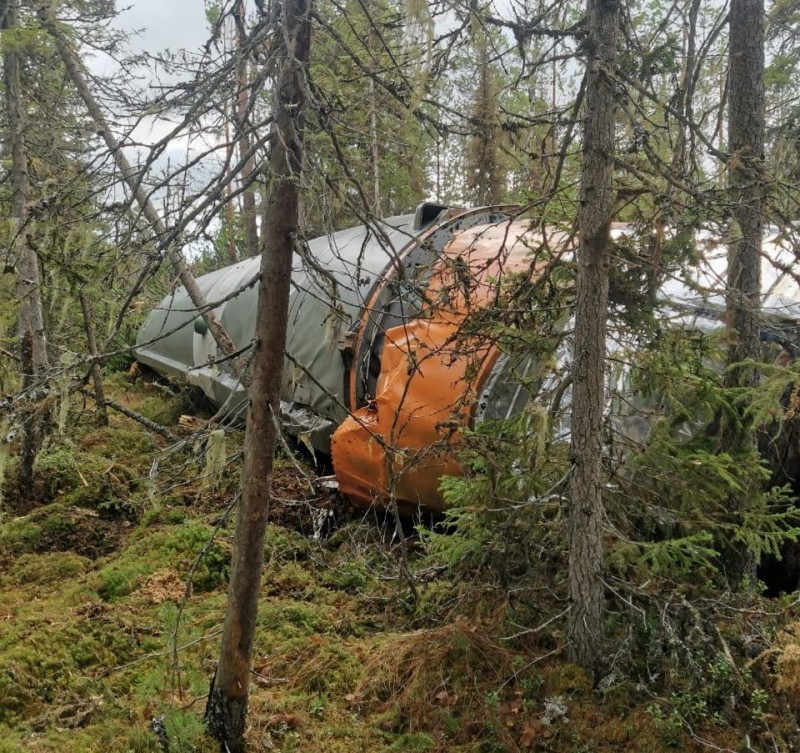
(113, 570)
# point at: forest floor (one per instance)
(113, 573)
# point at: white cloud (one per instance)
(173, 24)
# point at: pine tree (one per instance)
(746, 170)
(30, 319)
(369, 153)
(485, 171)
(591, 311)
(226, 711)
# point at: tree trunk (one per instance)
(243, 133)
(227, 703)
(75, 70)
(101, 414)
(376, 152)
(591, 306)
(230, 214)
(30, 320)
(486, 175)
(743, 300)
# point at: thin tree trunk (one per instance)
(684, 105)
(230, 215)
(30, 320)
(97, 373)
(591, 306)
(75, 70)
(745, 170)
(243, 134)
(226, 711)
(376, 154)
(438, 168)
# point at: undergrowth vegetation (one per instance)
(113, 572)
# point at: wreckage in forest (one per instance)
(391, 349)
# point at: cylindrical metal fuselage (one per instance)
(374, 369)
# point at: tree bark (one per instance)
(101, 414)
(30, 320)
(745, 176)
(591, 307)
(230, 214)
(486, 176)
(226, 711)
(376, 152)
(75, 69)
(243, 134)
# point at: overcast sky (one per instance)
(159, 25)
(154, 26)
(165, 23)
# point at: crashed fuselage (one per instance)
(380, 371)
(375, 374)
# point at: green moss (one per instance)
(567, 679)
(176, 547)
(61, 469)
(129, 445)
(45, 568)
(412, 741)
(330, 674)
(214, 568)
(162, 512)
(41, 660)
(308, 618)
(166, 409)
(84, 479)
(57, 528)
(9, 473)
(174, 517)
(20, 535)
(79, 478)
(7, 745)
(141, 741)
(14, 690)
(349, 575)
(290, 577)
(284, 544)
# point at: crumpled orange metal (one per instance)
(396, 448)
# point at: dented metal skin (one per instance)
(379, 371)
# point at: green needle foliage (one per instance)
(667, 477)
(674, 485)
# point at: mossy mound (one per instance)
(45, 568)
(58, 528)
(63, 473)
(119, 443)
(179, 547)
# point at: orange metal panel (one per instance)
(397, 447)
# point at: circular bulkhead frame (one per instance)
(417, 378)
